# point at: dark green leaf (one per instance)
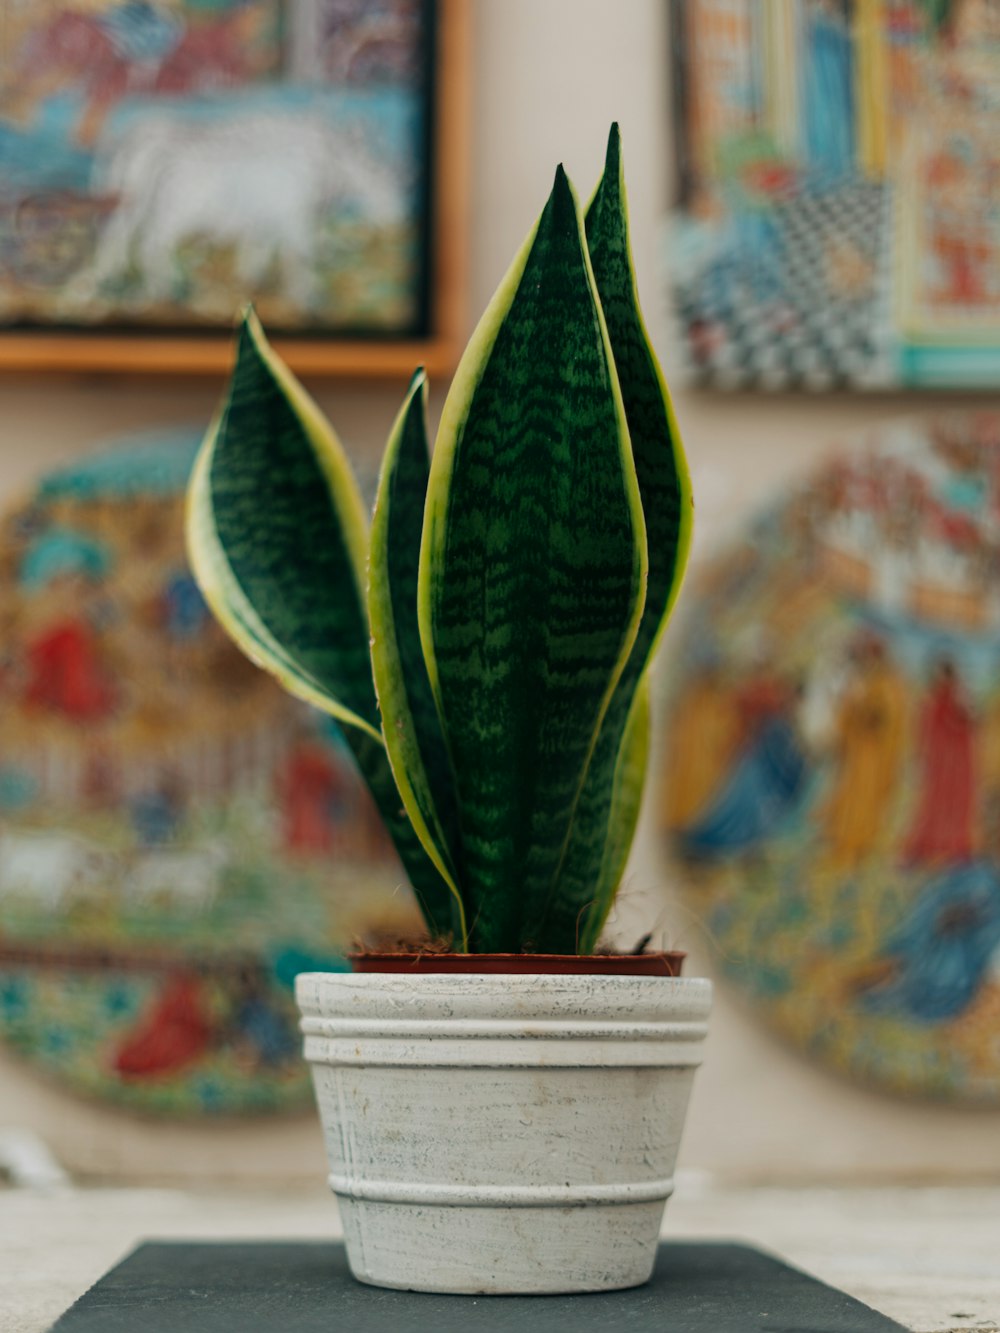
(278, 542)
(532, 571)
(411, 727)
(666, 500)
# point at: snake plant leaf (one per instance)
(278, 539)
(411, 727)
(278, 542)
(665, 488)
(435, 897)
(532, 570)
(226, 598)
(657, 450)
(626, 800)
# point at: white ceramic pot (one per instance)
(502, 1134)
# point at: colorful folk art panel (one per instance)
(831, 779)
(178, 838)
(164, 161)
(837, 175)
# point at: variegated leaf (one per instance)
(411, 727)
(589, 872)
(626, 801)
(532, 571)
(278, 541)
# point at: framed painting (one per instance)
(162, 162)
(837, 184)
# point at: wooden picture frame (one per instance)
(43, 350)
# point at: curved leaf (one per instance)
(278, 543)
(231, 606)
(532, 570)
(277, 536)
(411, 727)
(626, 801)
(433, 894)
(665, 488)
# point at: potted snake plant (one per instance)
(502, 1110)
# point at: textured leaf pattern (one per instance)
(492, 672)
(230, 604)
(626, 801)
(666, 500)
(278, 542)
(532, 571)
(290, 519)
(411, 727)
(433, 895)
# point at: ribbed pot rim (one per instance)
(520, 998)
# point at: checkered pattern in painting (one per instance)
(792, 297)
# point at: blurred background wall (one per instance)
(548, 77)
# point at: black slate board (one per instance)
(305, 1287)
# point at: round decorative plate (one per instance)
(178, 838)
(831, 779)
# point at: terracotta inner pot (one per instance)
(538, 964)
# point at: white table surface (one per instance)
(930, 1258)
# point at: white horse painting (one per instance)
(260, 183)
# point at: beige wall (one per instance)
(549, 77)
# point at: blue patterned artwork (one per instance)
(178, 838)
(831, 780)
(837, 170)
(164, 161)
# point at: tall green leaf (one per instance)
(434, 896)
(412, 729)
(277, 536)
(590, 871)
(532, 570)
(626, 801)
(278, 542)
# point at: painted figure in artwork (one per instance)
(258, 1029)
(175, 1033)
(157, 813)
(766, 778)
(312, 792)
(701, 747)
(959, 224)
(65, 673)
(943, 827)
(183, 609)
(827, 88)
(935, 963)
(870, 738)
